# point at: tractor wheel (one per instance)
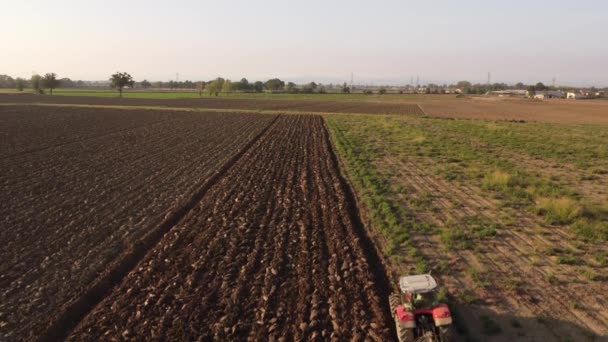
(445, 333)
(403, 334)
(394, 300)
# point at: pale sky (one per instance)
(378, 41)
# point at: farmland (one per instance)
(511, 216)
(228, 219)
(246, 214)
(81, 187)
(310, 105)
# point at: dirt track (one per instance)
(307, 106)
(272, 250)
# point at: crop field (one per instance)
(513, 217)
(175, 225)
(320, 105)
(232, 219)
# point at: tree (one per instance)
(291, 87)
(540, 86)
(465, 86)
(145, 84)
(531, 91)
(242, 85)
(50, 81)
(382, 91)
(214, 87)
(20, 83)
(120, 80)
(36, 83)
(7, 82)
(274, 84)
(345, 88)
(258, 87)
(519, 85)
(227, 87)
(200, 86)
(313, 86)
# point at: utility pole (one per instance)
(351, 81)
(553, 82)
(489, 78)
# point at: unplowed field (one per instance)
(179, 226)
(274, 249)
(308, 106)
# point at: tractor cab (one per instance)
(418, 291)
(417, 312)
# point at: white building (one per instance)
(545, 95)
(575, 96)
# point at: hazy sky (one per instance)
(379, 41)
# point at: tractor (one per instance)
(417, 313)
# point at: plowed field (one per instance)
(307, 106)
(273, 249)
(179, 226)
(79, 187)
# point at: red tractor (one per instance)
(418, 315)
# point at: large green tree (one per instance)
(215, 87)
(20, 83)
(120, 80)
(274, 84)
(36, 83)
(227, 87)
(258, 87)
(50, 81)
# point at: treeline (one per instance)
(50, 79)
(468, 88)
(221, 85)
(275, 85)
(38, 83)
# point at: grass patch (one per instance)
(455, 237)
(497, 181)
(562, 210)
(590, 231)
(568, 260)
(551, 279)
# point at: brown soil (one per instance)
(522, 280)
(307, 106)
(561, 111)
(80, 185)
(273, 250)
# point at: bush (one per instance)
(497, 181)
(454, 237)
(562, 210)
(567, 260)
(590, 231)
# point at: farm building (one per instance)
(509, 93)
(546, 95)
(576, 95)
